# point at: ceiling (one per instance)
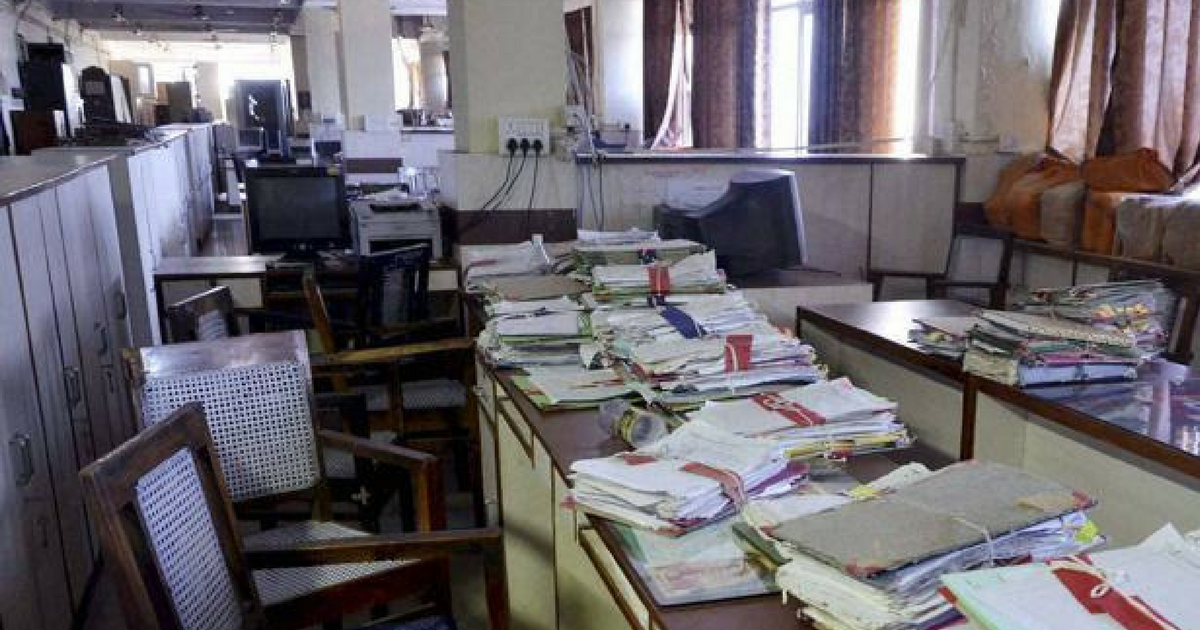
(175, 16)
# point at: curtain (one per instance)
(1126, 75)
(730, 60)
(578, 25)
(658, 42)
(675, 124)
(856, 56)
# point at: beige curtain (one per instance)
(1126, 75)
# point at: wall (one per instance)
(38, 27)
(618, 47)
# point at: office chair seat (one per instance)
(438, 393)
(280, 585)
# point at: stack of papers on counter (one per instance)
(529, 287)
(537, 338)
(828, 418)
(754, 355)
(631, 251)
(505, 308)
(1024, 349)
(490, 261)
(625, 328)
(874, 563)
(690, 478)
(558, 388)
(1142, 308)
(632, 283)
(943, 336)
(1153, 585)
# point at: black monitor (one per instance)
(756, 226)
(296, 210)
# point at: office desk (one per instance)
(176, 278)
(1134, 445)
(578, 560)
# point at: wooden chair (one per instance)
(162, 507)
(393, 324)
(204, 316)
(977, 265)
(258, 394)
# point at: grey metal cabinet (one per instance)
(34, 523)
(59, 382)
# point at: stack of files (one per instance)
(1023, 349)
(754, 355)
(632, 283)
(560, 388)
(587, 238)
(626, 328)
(690, 478)
(828, 418)
(491, 261)
(529, 287)
(943, 336)
(875, 563)
(1141, 308)
(508, 308)
(1153, 585)
(629, 251)
(536, 338)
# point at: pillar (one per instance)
(367, 72)
(320, 60)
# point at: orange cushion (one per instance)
(1024, 199)
(995, 207)
(1138, 171)
(1100, 221)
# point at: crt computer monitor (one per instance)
(756, 226)
(297, 210)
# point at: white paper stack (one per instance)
(1156, 583)
(696, 273)
(596, 249)
(504, 308)
(753, 355)
(690, 478)
(830, 418)
(536, 338)
(623, 329)
(572, 386)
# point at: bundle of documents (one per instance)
(943, 336)
(830, 418)
(692, 477)
(1024, 349)
(625, 328)
(629, 249)
(489, 261)
(1153, 585)
(874, 563)
(1141, 308)
(749, 356)
(529, 287)
(559, 388)
(632, 283)
(536, 338)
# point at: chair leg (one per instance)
(496, 587)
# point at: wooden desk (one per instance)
(580, 559)
(1134, 445)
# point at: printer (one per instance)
(391, 219)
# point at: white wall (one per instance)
(618, 48)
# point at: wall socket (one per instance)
(524, 129)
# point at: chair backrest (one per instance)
(979, 254)
(393, 287)
(257, 393)
(203, 317)
(168, 531)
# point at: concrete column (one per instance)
(208, 88)
(321, 54)
(367, 71)
(506, 59)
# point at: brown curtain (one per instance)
(730, 57)
(674, 129)
(856, 55)
(579, 40)
(1126, 75)
(658, 38)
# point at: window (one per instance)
(790, 53)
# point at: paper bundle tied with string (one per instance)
(960, 506)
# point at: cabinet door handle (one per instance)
(103, 330)
(72, 384)
(122, 305)
(22, 455)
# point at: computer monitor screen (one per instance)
(756, 226)
(296, 209)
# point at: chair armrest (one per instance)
(409, 459)
(390, 354)
(414, 546)
(898, 273)
(981, 284)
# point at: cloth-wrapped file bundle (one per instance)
(692, 477)
(943, 336)
(1024, 349)
(1141, 308)
(875, 563)
(830, 418)
(625, 328)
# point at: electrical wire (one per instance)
(512, 185)
(507, 174)
(483, 212)
(532, 192)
